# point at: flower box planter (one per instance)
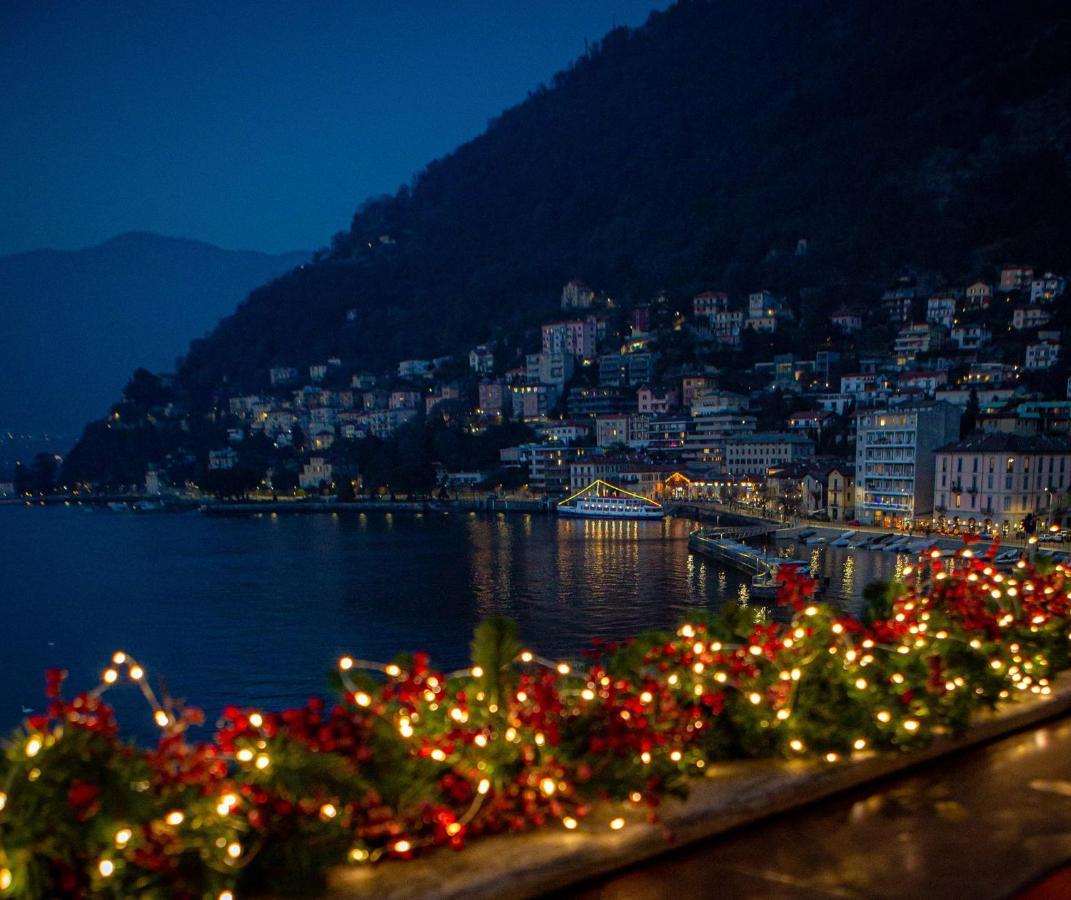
(731, 795)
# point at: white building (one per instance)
(564, 431)
(716, 401)
(941, 310)
(154, 482)
(765, 311)
(763, 450)
(549, 466)
(482, 360)
(1029, 317)
(970, 337)
(283, 374)
(550, 368)
(1047, 289)
(926, 382)
(979, 295)
(315, 474)
(1015, 277)
(894, 460)
(996, 480)
(415, 368)
(577, 295)
(381, 422)
(577, 337)
(838, 404)
(1042, 355)
(922, 337)
(227, 458)
(278, 421)
(708, 304)
(990, 373)
(727, 326)
(847, 321)
(321, 436)
(533, 402)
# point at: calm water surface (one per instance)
(256, 609)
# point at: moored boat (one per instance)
(602, 500)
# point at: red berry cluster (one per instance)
(421, 758)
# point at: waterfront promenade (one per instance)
(991, 822)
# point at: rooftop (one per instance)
(998, 442)
(769, 437)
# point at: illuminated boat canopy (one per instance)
(602, 500)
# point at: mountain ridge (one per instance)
(137, 236)
(79, 321)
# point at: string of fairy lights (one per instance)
(1009, 630)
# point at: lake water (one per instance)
(256, 609)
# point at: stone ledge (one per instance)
(732, 794)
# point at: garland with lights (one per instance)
(411, 758)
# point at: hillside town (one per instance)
(921, 409)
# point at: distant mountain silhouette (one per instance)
(76, 323)
(696, 151)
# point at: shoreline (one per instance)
(801, 531)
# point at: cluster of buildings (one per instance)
(872, 436)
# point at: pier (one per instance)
(761, 566)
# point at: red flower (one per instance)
(53, 682)
(83, 798)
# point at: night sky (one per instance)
(247, 124)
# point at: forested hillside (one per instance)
(693, 152)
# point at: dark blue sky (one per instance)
(255, 124)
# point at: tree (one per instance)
(146, 390)
(39, 477)
(969, 422)
(227, 484)
(344, 489)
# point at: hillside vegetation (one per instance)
(695, 151)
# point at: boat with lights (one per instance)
(602, 500)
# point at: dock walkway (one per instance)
(732, 552)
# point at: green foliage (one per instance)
(735, 621)
(494, 649)
(878, 600)
(827, 712)
(628, 657)
(39, 823)
(429, 757)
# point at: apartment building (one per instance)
(997, 480)
(895, 460)
(763, 450)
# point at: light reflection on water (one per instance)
(256, 609)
